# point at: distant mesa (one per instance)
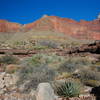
(81, 30)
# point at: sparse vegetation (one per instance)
(49, 44)
(68, 89)
(9, 59)
(39, 59)
(12, 68)
(38, 68)
(92, 83)
(89, 75)
(49, 67)
(64, 75)
(73, 63)
(35, 75)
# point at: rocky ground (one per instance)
(8, 79)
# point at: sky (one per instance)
(27, 11)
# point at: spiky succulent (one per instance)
(68, 89)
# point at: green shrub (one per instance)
(35, 75)
(73, 63)
(40, 59)
(87, 74)
(98, 63)
(39, 47)
(38, 68)
(9, 59)
(32, 61)
(92, 83)
(98, 69)
(67, 67)
(68, 89)
(49, 44)
(64, 75)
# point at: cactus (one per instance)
(68, 89)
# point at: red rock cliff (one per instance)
(6, 26)
(82, 30)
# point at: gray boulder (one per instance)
(45, 92)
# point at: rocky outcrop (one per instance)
(91, 48)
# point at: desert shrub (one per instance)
(68, 89)
(38, 68)
(98, 63)
(97, 66)
(39, 47)
(48, 43)
(86, 74)
(12, 68)
(19, 43)
(64, 75)
(92, 83)
(52, 59)
(9, 59)
(32, 61)
(67, 67)
(33, 75)
(73, 63)
(98, 69)
(40, 59)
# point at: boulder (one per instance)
(45, 92)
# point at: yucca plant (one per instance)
(68, 89)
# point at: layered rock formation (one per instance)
(80, 30)
(6, 26)
(90, 48)
(93, 48)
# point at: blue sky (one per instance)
(26, 11)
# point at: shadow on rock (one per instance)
(96, 92)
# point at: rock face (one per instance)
(91, 48)
(6, 26)
(45, 92)
(6, 81)
(96, 92)
(82, 30)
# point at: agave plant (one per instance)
(68, 89)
